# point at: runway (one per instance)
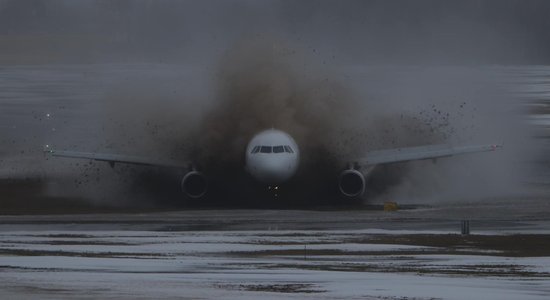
(250, 254)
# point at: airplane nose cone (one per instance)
(274, 171)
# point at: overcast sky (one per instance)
(349, 32)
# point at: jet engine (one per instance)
(351, 183)
(194, 184)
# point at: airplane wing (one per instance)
(117, 158)
(420, 153)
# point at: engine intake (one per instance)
(194, 184)
(351, 183)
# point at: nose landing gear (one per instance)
(273, 190)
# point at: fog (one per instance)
(341, 77)
(345, 32)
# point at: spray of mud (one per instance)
(466, 105)
(256, 85)
(268, 82)
(262, 84)
(207, 117)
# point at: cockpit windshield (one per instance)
(288, 149)
(265, 149)
(272, 149)
(278, 149)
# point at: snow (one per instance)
(231, 265)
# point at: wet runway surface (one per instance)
(250, 254)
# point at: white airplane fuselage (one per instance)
(272, 157)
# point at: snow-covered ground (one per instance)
(354, 264)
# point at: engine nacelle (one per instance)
(194, 184)
(351, 183)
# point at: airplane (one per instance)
(272, 158)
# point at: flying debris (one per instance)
(273, 157)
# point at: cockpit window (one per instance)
(288, 149)
(270, 149)
(278, 149)
(265, 149)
